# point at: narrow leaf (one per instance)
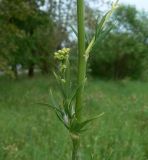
(62, 120)
(102, 36)
(74, 30)
(84, 123)
(60, 85)
(99, 29)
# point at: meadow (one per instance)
(29, 131)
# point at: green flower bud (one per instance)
(62, 54)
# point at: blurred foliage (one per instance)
(4, 67)
(119, 57)
(28, 35)
(31, 132)
(32, 30)
(124, 51)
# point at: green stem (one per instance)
(81, 73)
(75, 150)
(81, 57)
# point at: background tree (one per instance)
(21, 26)
(32, 30)
(124, 53)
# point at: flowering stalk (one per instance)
(69, 107)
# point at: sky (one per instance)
(140, 4)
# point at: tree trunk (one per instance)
(31, 70)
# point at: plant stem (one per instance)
(81, 73)
(81, 57)
(75, 150)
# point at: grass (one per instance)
(32, 132)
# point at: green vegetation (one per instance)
(124, 51)
(29, 30)
(32, 132)
(27, 35)
(68, 107)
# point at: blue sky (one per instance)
(140, 4)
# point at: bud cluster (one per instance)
(62, 54)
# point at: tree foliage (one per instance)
(31, 30)
(124, 51)
(26, 34)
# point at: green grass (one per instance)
(32, 132)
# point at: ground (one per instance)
(32, 132)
